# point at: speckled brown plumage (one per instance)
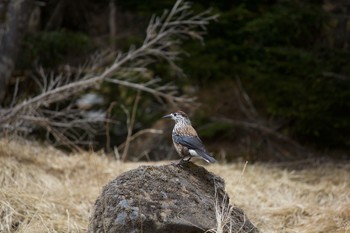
(186, 140)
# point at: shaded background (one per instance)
(272, 77)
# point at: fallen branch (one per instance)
(262, 129)
(164, 36)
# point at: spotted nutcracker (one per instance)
(186, 140)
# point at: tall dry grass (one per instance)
(44, 190)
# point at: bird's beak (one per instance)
(167, 116)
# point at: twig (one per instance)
(164, 36)
(108, 138)
(139, 133)
(130, 124)
(15, 92)
(243, 170)
(336, 76)
(155, 92)
(112, 26)
(260, 128)
(246, 105)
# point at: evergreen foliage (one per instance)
(50, 48)
(283, 51)
(286, 53)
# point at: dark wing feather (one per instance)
(190, 142)
(196, 144)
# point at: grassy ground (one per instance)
(43, 190)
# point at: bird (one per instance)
(186, 140)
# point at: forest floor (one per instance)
(44, 190)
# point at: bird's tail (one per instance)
(207, 157)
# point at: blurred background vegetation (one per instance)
(272, 77)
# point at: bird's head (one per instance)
(178, 117)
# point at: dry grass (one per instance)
(279, 200)
(43, 190)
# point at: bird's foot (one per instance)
(174, 163)
(180, 163)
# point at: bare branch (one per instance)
(162, 43)
(130, 124)
(108, 138)
(139, 133)
(336, 76)
(244, 102)
(143, 87)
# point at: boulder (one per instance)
(167, 199)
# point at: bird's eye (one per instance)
(175, 114)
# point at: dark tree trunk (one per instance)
(14, 16)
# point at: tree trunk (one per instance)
(14, 16)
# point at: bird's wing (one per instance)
(196, 144)
(190, 142)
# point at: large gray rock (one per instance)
(164, 199)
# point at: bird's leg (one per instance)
(181, 161)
